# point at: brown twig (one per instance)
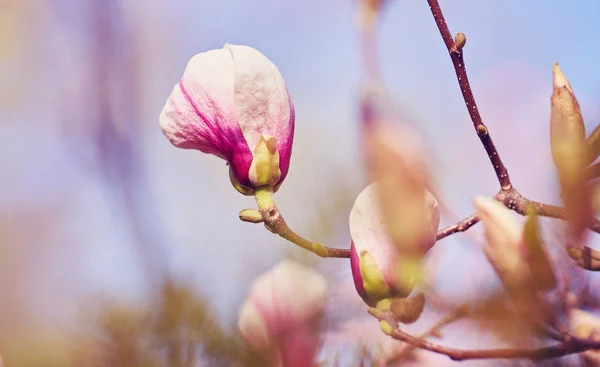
(517, 202)
(571, 346)
(461, 226)
(456, 54)
(275, 223)
(508, 195)
(433, 331)
(514, 200)
(536, 354)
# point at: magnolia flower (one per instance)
(376, 262)
(281, 315)
(233, 103)
(516, 253)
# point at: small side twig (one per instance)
(461, 226)
(536, 354)
(456, 54)
(275, 223)
(433, 331)
(514, 200)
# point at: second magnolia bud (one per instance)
(382, 269)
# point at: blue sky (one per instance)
(511, 46)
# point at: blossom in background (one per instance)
(375, 260)
(394, 157)
(281, 315)
(233, 103)
(515, 251)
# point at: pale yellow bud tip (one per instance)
(560, 80)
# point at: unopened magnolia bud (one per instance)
(567, 131)
(537, 256)
(380, 268)
(505, 250)
(233, 103)
(569, 152)
(516, 251)
(460, 40)
(282, 312)
(408, 310)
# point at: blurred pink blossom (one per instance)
(282, 313)
(505, 246)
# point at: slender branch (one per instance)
(570, 346)
(536, 354)
(456, 54)
(433, 331)
(275, 223)
(514, 200)
(517, 202)
(508, 195)
(461, 226)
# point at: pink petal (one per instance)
(368, 234)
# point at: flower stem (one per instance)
(275, 223)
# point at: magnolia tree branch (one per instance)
(517, 202)
(536, 354)
(455, 48)
(570, 346)
(508, 195)
(461, 226)
(514, 200)
(458, 314)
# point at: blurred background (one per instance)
(98, 211)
